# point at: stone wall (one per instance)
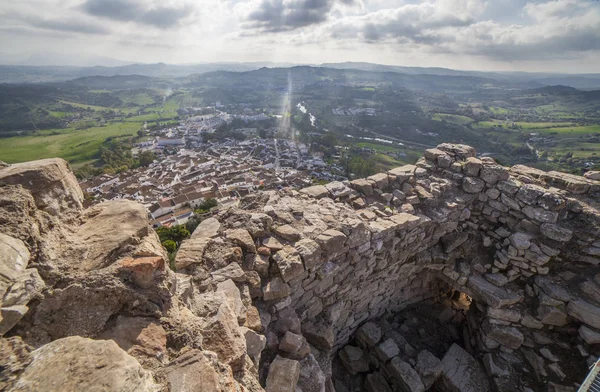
(269, 293)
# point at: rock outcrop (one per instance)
(268, 293)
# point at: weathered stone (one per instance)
(461, 372)
(233, 271)
(191, 252)
(363, 186)
(589, 335)
(192, 372)
(429, 368)
(405, 376)
(403, 173)
(376, 382)
(540, 214)
(520, 240)
(291, 342)
(496, 279)
(492, 368)
(555, 232)
(380, 179)
(584, 312)
(255, 343)
(454, 240)
(551, 315)
(138, 335)
(387, 350)
(491, 174)
(10, 316)
(319, 334)
(310, 252)
(283, 375)
(490, 294)
(353, 360)
(312, 378)
(472, 166)
(24, 287)
(316, 191)
(338, 189)
(507, 336)
(368, 335)
(289, 263)
(51, 183)
(331, 241)
(75, 364)
(208, 228)
(287, 232)
(242, 238)
(472, 184)
(552, 289)
(276, 289)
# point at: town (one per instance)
(190, 170)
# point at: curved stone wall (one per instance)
(269, 293)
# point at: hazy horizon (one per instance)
(558, 36)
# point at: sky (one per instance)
(499, 35)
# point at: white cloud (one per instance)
(451, 33)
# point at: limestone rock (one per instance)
(316, 191)
(310, 252)
(490, 294)
(555, 232)
(242, 238)
(454, 240)
(141, 335)
(461, 372)
(276, 289)
(369, 334)
(472, 185)
(584, 312)
(50, 181)
(76, 363)
(429, 368)
(387, 350)
(331, 241)
(589, 335)
(10, 316)
(255, 343)
(289, 263)
(283, 375)
(287, 232)
(354, 360)
(192, 372)
(376, 382)
(191, 252)
(24, 287)
(208, 228)
(509, 337)
(405, 376)
(312, 378)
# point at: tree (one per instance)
(170, 246)
(146, 158)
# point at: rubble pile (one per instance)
(292, 289)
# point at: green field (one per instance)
(452, 118)
(74, 146)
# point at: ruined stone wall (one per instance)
(269, 292)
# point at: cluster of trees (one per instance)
(171, 237)
(115, 157)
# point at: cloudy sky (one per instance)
(557, 35)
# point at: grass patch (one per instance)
(452, 118)
(74, 146)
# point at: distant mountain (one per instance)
(47, 58)
(582, 81)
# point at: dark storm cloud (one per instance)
(287, 15)
(135, 11)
